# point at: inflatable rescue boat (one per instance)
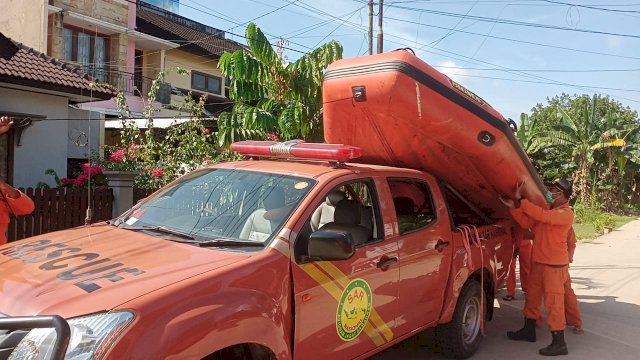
(402, 112)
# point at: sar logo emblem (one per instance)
(354, 309)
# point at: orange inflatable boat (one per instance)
(402, 112)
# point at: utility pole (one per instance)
(370, 27)
(380, 28)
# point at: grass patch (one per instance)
(623, 219)
(586, 230)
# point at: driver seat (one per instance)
(347, 217)
(258, 227)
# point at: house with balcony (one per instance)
(125, 43)
(200, 48)
(41, 96)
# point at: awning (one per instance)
(109, 107)
(142, 123)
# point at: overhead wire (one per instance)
(592, 7)
(506, 69)
(450, 31)
(204, 38)
(515, 40)
(310, 8)
(514, 22)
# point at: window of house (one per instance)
(87, 49)
(206, 82)
(413, 204)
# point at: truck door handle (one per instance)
(440, 245)
(385, 262)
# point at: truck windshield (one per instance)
(220, 206)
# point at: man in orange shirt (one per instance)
(12, 201)
(550, 266)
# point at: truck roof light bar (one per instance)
(297, 149)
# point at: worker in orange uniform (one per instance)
(524, 258)
(550, 266)
(571, 309)
(12, 201)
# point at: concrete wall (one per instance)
(55, 36)
(152, 62)
(187, 61)
(46, 144)
(25, 21)
(111, 11)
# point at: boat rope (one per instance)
(471, 239)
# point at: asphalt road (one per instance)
(606, 279)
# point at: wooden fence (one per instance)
(59, 209)
(140, 194)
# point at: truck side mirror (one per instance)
(330, 244)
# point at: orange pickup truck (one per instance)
(303, 257)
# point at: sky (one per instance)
(512, 53)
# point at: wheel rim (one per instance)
(471, 320)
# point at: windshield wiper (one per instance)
(227, 242)
(164, 230)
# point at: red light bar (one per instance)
(297, 149)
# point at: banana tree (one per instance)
(584, 136)
(272, 95)
(577, 136)
(527, 133)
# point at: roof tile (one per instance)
(29, 64)
(152, 23)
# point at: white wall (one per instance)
(83, 133)
(46, 144)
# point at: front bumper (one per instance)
(13, 329)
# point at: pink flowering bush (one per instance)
(157, 172)
(91, 175)
(158, 156)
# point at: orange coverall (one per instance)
(549, 270)
(571, 309)
(21, 206)
(524, 258)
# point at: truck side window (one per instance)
(359, 204)
(413, 204)
(460, 211)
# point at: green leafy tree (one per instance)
(272, 95)
(587, 139)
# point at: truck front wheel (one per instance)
(460, 338)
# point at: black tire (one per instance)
(461, 338)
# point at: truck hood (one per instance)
(95, 268)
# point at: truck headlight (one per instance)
(88, 334)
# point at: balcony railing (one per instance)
(129, 83)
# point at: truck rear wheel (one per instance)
(460, 338)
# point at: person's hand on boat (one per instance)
(507, 202)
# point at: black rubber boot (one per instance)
(557, 347)
(527, 333)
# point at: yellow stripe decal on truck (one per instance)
(332, 288)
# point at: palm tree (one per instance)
(272, 95)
